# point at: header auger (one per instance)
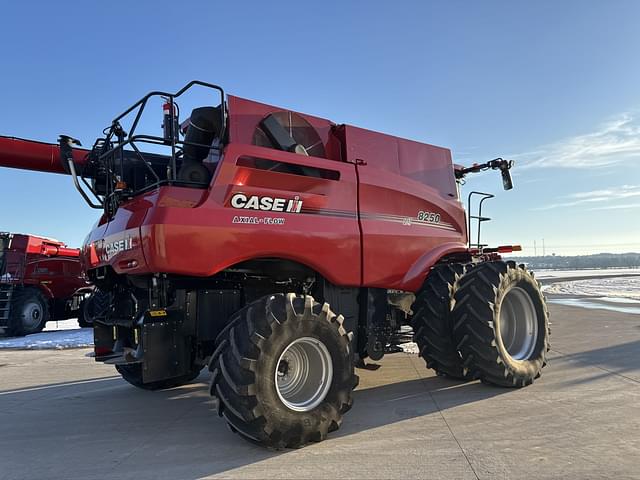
(281, 249)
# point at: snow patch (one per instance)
(410, 347)
(607, 289)
(585, 303)
(591, 272)
(71, 324)
(56, 336)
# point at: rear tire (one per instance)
(132, 373)
(432, 324)
(267, 392)
(83, 314)
(29, 312)
(501, 324)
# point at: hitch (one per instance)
(497, 164)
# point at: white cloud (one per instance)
(618, 207)
(614, 142)
(597, 196)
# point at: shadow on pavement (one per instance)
(621, 359)
(49, 386)
(117, 430)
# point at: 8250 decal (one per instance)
(429, 217)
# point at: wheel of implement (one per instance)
(432, 324)
(132, 373)
(501, 324)
(283, 371)
(29, 312)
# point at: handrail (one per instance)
(116, 139)
(479, 217)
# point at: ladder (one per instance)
(479, 218)
(6, 290)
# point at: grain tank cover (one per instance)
(421, 162)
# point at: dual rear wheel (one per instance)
(487, 321)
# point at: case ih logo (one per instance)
(111, 249)
(270, 204)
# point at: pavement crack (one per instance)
(441, 413)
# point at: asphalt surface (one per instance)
(64, 417)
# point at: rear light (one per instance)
(93, 255)
(100, 351)
(509, 248)
(500, 249)
(127, 264)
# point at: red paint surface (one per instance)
(38, 156)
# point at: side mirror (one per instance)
(507, 183)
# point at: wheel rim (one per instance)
(303, 374)
(31, 315)
(518, 324)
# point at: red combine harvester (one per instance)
(40, 280)
(281, 249)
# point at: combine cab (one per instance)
(280, 250)
(40, 280)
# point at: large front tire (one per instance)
(501, 324)
(283, 371)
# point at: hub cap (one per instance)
(31, 315)
(518, 324)
(303, 374)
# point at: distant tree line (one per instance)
(599, 260)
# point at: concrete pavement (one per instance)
(64, 417)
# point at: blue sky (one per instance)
(553, 85)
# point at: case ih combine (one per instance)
(280, 249)
(40, 280)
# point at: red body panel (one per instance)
(399, 179)
(46, 263)
(197, 232)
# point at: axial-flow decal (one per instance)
(258, 220)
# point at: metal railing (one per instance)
(109, 152)
(479, 218)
